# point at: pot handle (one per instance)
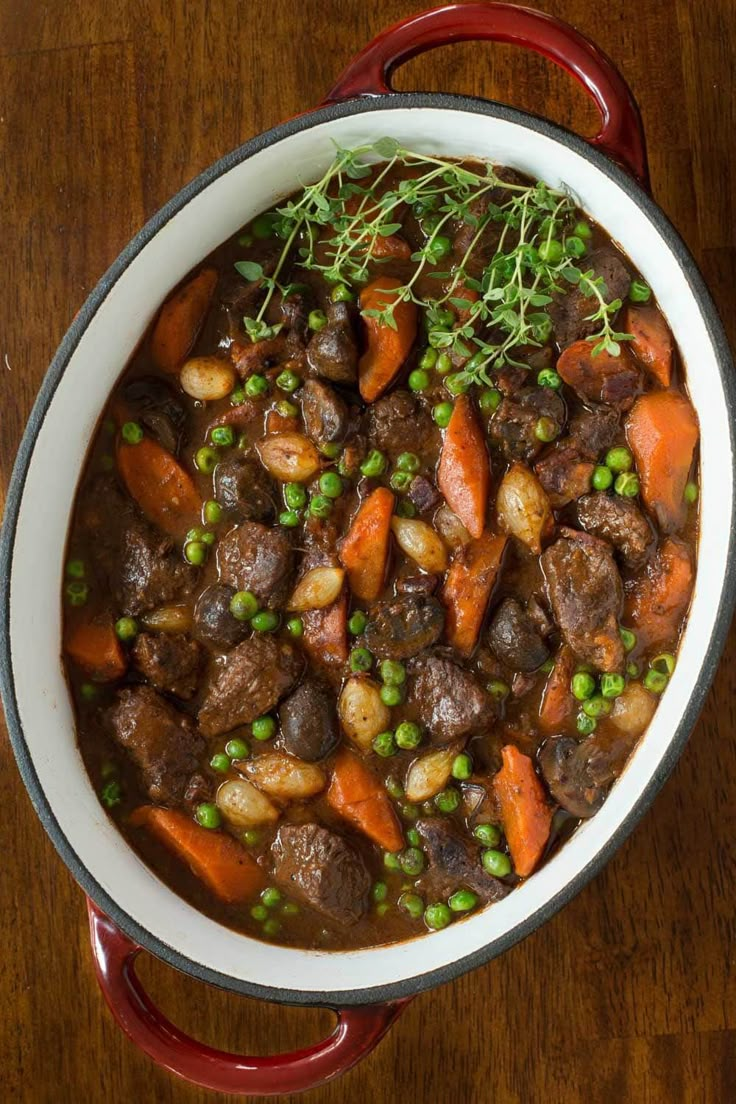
(621, 135)
(357, 1032)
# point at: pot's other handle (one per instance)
(621, 135)
(357, 1032)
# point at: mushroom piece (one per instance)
(579, 775)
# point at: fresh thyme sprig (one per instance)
(333, 227)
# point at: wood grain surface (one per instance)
(628, 995)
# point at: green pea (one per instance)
(627, 485)
(498, 689)
(212, 512)
(294, 495)
(496, 863)
(582, 685)
(612, 685)
(418, 380)
(409, 810)
(408, 735)
(224, 436)
(382, 908)
(546, 429)
(271, 896)
(288, 381)
(126, 628)
(413, 838)
(220, 762)
(265, 621)
(360, 660)
(392, 672)
(271, 926)
(330, 449)
(320, 506)
(546, 667)
(243, 605)
(619, 459)
(462, 901)
(575, 246)
(263, 226)
(392, 695)
(490, 400)
(655, 681)
(444, 364)
(256, 386)
(208, 815)
(132, 433)
(384, 744)
(286, 409)
(357, 623)
(401, 481)
(295, 626)
(111, 794)
(264, 728)
(317, 320)
(405, 508)
(597, 706)
(585, 725)
(412, 861)
(411, 903)
(639, 292)
(259, 912)
(439, 247)
(75, 569)
(428, 359)
(488, 834)
(237, 748)
(251, 836)
(379, 891)
(374, 464)
(195, 534)
(394, 787)
(582, 230)
(330, 484)
(205, 460)
(628, 638)
(447, 801)
(341, 293)
(195, 552)
(391, 860)
(549, 378)
(550, 251)
(408, 462)
(437, 916)
(691, 493)
(632, 669)
(602, 477)
(462, 767)
(443, 316)
(664, 662)
(237, 395)
(458, 383)
(442, 413)
(289, 518)
(290, 908)
(89, 691)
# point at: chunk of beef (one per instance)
(162, 742)
(580, 774)
(244, 488)
(253, 557)
(397, 422)
(323, 870)
(619, 521)
(571, 308)
(169, 662)
(308, 721)
(154, 403)
(449, 701)
(586, 594)
(424, 494)
(213, 622)
(514, 638)
(250, 681)
(594, 431)
(513, 427)
(104, 515)
(333, 351)
(404, 626)
(564, 473)
(600, 377)
(326, 415)
(294, 312)
(454, 862)
(151, 571)
(417, 584)
(258, 356)
(198, 789)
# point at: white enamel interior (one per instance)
(42, 698)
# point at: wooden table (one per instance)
(627, 996)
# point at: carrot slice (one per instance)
(662, 430)
(180, 320)
(358, 796)
(164, 491)
(465, 471)
(600, 377)
(215, 857)
(652, 340)
(326, 632)
(365, 549)
(387, 347)
(91, 642)
(557, 700)
(659, 600)
(467, 590)
(525, 814)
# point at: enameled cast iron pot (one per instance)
(129, 907)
